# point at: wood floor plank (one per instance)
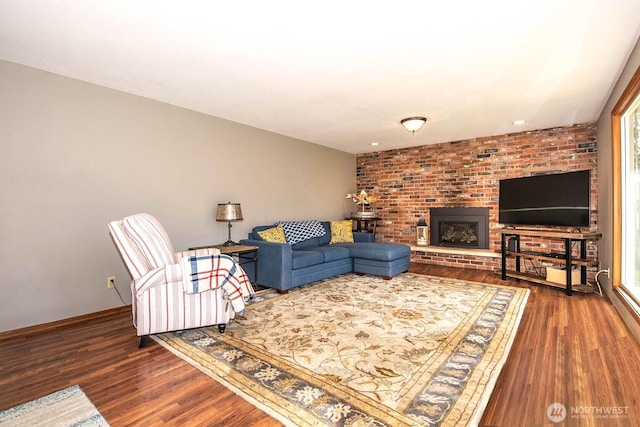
(572, 350)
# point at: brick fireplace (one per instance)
(410, 182)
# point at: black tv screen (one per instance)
(561, 199)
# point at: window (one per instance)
(626, 168)
(630, 126)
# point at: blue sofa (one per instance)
(283, 266)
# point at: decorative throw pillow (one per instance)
(298, 231)
(273, 234)
(341, 232)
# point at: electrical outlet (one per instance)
(608, 273)
(111, 282)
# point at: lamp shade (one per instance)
(229, 212)
(413, 124)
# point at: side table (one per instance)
(363, 224)
(244, 253)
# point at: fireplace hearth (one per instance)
(460, 227)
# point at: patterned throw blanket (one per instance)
(298, 231)
(205, 272)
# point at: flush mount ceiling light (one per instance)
(413, 124)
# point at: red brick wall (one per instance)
(410, 181)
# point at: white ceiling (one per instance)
(341, 73)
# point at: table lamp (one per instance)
(229, 212)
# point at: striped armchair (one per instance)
(177, 290)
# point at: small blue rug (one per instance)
(64, 408)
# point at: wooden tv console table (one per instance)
(566, 258)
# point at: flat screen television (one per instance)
(560, 199)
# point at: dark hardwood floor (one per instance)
(571, 350)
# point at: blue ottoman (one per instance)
(380, 259)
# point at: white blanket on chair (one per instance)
(205, 272)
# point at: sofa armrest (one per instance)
(274, 263)
(359, 236)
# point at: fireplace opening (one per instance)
(460, 227)
(459, 233)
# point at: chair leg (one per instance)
(144, 339)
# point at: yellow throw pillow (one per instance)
(273, 235)
(341, 232)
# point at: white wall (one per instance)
(74, 156)
(605, 184)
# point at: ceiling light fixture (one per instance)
(413, 124)
(519, 122)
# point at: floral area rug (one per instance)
(363, 351)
